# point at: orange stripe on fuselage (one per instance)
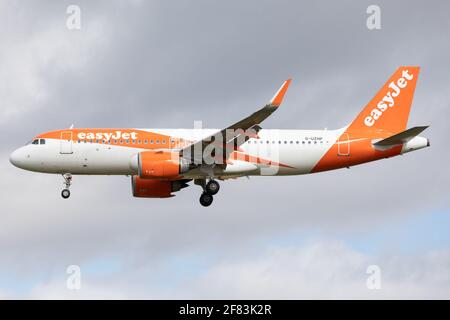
(360, 150)
(385, 115)
(131, 138)
(254, 159)
(120, 137)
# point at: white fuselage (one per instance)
(272, 152)
(297, 150)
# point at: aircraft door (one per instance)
(344, 145)
(66, 142)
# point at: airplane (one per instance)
(161, 162)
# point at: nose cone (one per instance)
(16, 158)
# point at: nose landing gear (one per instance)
(65, 193)
(209, 190)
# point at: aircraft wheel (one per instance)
(212, 187)
(206, 199)
(65, 193)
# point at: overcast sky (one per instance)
(165, 64)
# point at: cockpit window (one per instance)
(36, 141)
(41, 141)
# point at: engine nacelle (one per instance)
(148, 188)
(160, 165)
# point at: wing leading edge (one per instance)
(224, 142)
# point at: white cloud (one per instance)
(324, 270)
(315, 270)
(56, 289)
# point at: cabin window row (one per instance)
(285, 142)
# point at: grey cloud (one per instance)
(159, 64)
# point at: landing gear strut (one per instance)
(209, 189)
(65, 193)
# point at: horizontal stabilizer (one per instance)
(401, 137)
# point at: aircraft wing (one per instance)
(229, 139)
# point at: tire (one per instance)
(65, 193)
(206, 199)
(212, 187)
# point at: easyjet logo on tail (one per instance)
(116, 135)
(388, 101)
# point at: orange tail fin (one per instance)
(389, 109)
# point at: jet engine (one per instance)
(149, 188)
(163, 165)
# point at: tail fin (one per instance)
(389, 109)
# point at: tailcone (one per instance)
(415, 143)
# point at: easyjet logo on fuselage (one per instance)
(389, 99)
(115, 135)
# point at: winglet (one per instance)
(278, 97)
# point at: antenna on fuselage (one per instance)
(71, 126)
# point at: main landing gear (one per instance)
(65, 193)
(206, 199)
(209, 189)
(212, 187)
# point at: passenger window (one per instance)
(151, 141)
(157, 141)
(145, 141)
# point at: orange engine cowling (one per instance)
(149, 188)
(161, 165)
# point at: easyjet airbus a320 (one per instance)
(163, 161)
